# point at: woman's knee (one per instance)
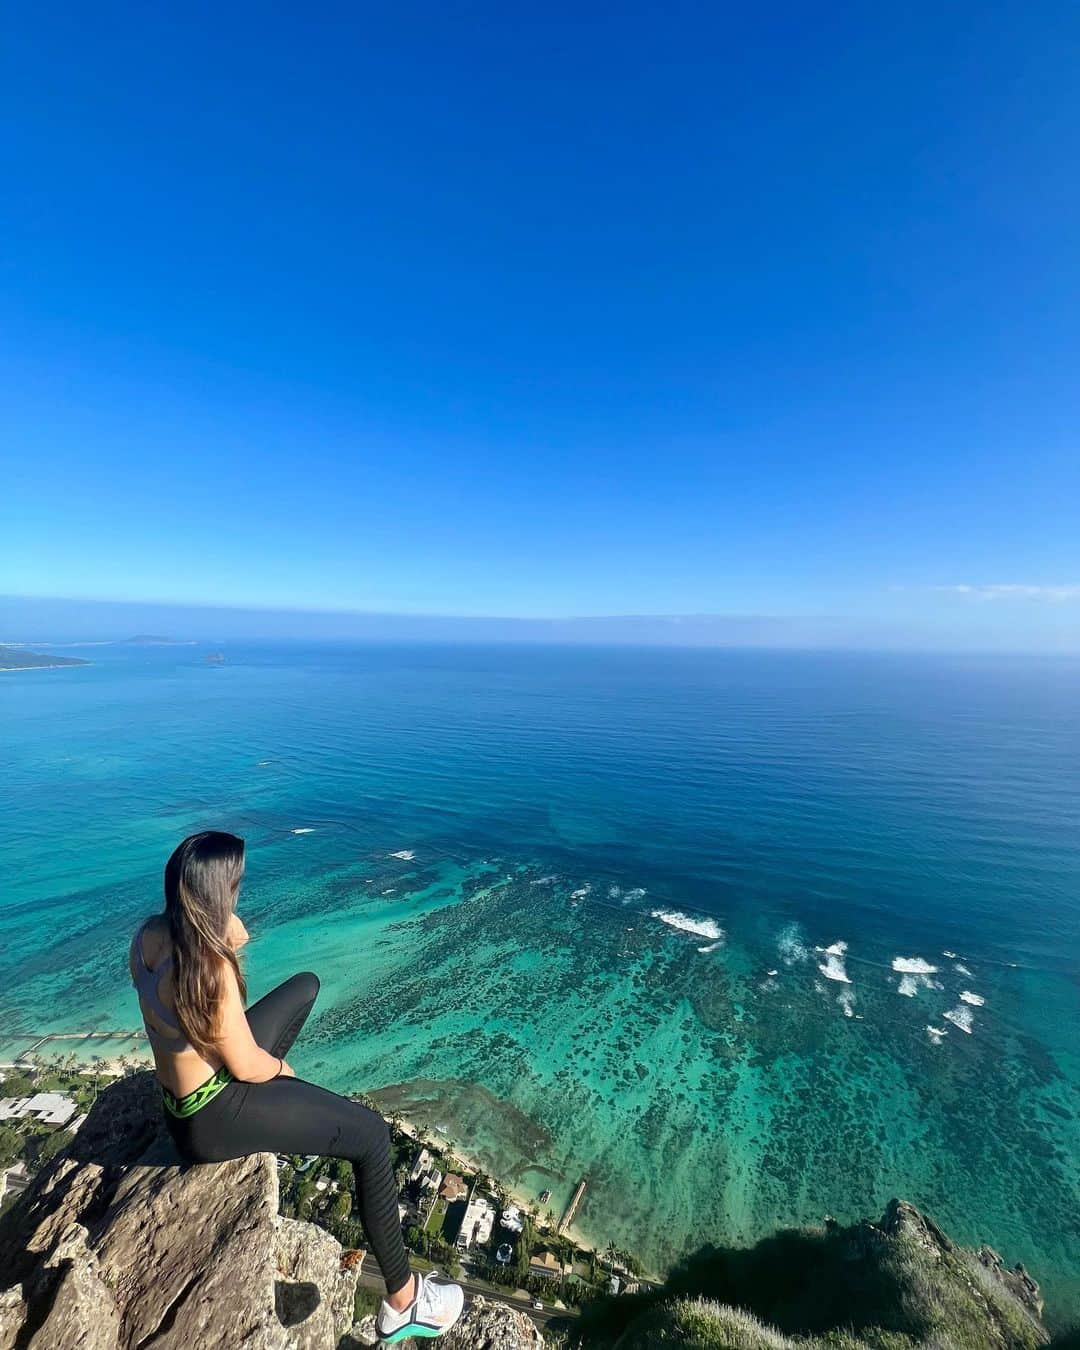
(375, 1130)
(305, 985)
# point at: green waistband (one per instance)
(182, 1107)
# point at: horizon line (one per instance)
(258, 607)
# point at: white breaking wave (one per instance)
(305, 829)
(961, 970)
(790, 945)
(914, 975)
(976, 1000)
(614, 892)
(846, 999)
(937, 1034)
(962, 1018)
(706, 928)
(637, 893)
(580, 893)
(544, 881)
(833, 967)
(771, 973)
(950, 956)
(405, 854)
(711, 947)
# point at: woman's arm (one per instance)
(240, 1053)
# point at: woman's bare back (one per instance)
(179, 1066)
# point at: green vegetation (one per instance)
(11, 1145)
(28, 1140)
(899, 1285)
(365, 1303)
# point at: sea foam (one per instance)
(914, 974)
(913, 965)
(976, 1000)
(706, 928)
(961, 1017)
(305, 829)
(833, 967)
(791, 947)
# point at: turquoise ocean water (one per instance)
(607, 954)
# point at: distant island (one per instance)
(16, 658)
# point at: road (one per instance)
(370, 1278)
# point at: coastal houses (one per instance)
(453, 1188)
(424, 1175)
(478, 1223)
(421, 1163)
(512, 1219)
(545, 1265)
(47, 1108)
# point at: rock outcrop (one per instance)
(115, 1246)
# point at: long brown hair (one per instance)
(202, 879)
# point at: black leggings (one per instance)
(287, 1115)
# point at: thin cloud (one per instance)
(1012, 590)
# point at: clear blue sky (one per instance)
(546, 310)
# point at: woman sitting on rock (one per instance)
(226, 1086)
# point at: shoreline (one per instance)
(45, 665)
(430, 1140)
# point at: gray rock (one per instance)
(492, 1326)
(115, 1246)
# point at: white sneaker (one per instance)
(435, 1308)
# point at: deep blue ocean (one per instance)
(744, 937)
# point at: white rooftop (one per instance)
(51, 1108)
(420, 1165)
(478, 1222)
(512, 1219)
